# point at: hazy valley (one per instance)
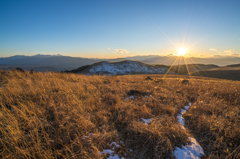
(57, 63)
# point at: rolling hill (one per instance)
(119, 68)
(234, 65)
(185, 69)
(231, 73)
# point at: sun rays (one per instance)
(182, 63)
(182, 59)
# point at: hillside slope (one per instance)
(185, 69)
(231, 73)
(234, 65)
(119, 68)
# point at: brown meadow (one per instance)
(51, 115)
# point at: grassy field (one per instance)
(54, 115)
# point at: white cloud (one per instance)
(121, 51)
(226, 55)
(235, 55)
(229, 51)
(213, 49)
(218, 56)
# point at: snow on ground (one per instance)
(147, 121)
(131, 97)
(191, 151)
(126, 67)
(114, 144)
(107, 151)
(181, 120)
(111, 153)
(90, 135)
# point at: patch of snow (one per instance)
(90, 135)
(115, 156)
(192, 151)
(186, 107)
(181, 120)
(147, 121)
(84, 137)
(107, 151)
(114, 144)
(131, 97)
(111, 153)
(183, 111)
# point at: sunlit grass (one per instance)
(47, 115)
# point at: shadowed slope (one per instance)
(231, 73)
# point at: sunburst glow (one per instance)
(181, 51)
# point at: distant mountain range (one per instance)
(59, 63)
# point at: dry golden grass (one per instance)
(215, 118)
(48, 115)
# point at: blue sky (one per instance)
(119, 28)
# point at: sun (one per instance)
(181, 51)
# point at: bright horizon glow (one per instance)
(181, 51)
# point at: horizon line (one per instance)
(169, 55)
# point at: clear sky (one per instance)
(119, 28)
